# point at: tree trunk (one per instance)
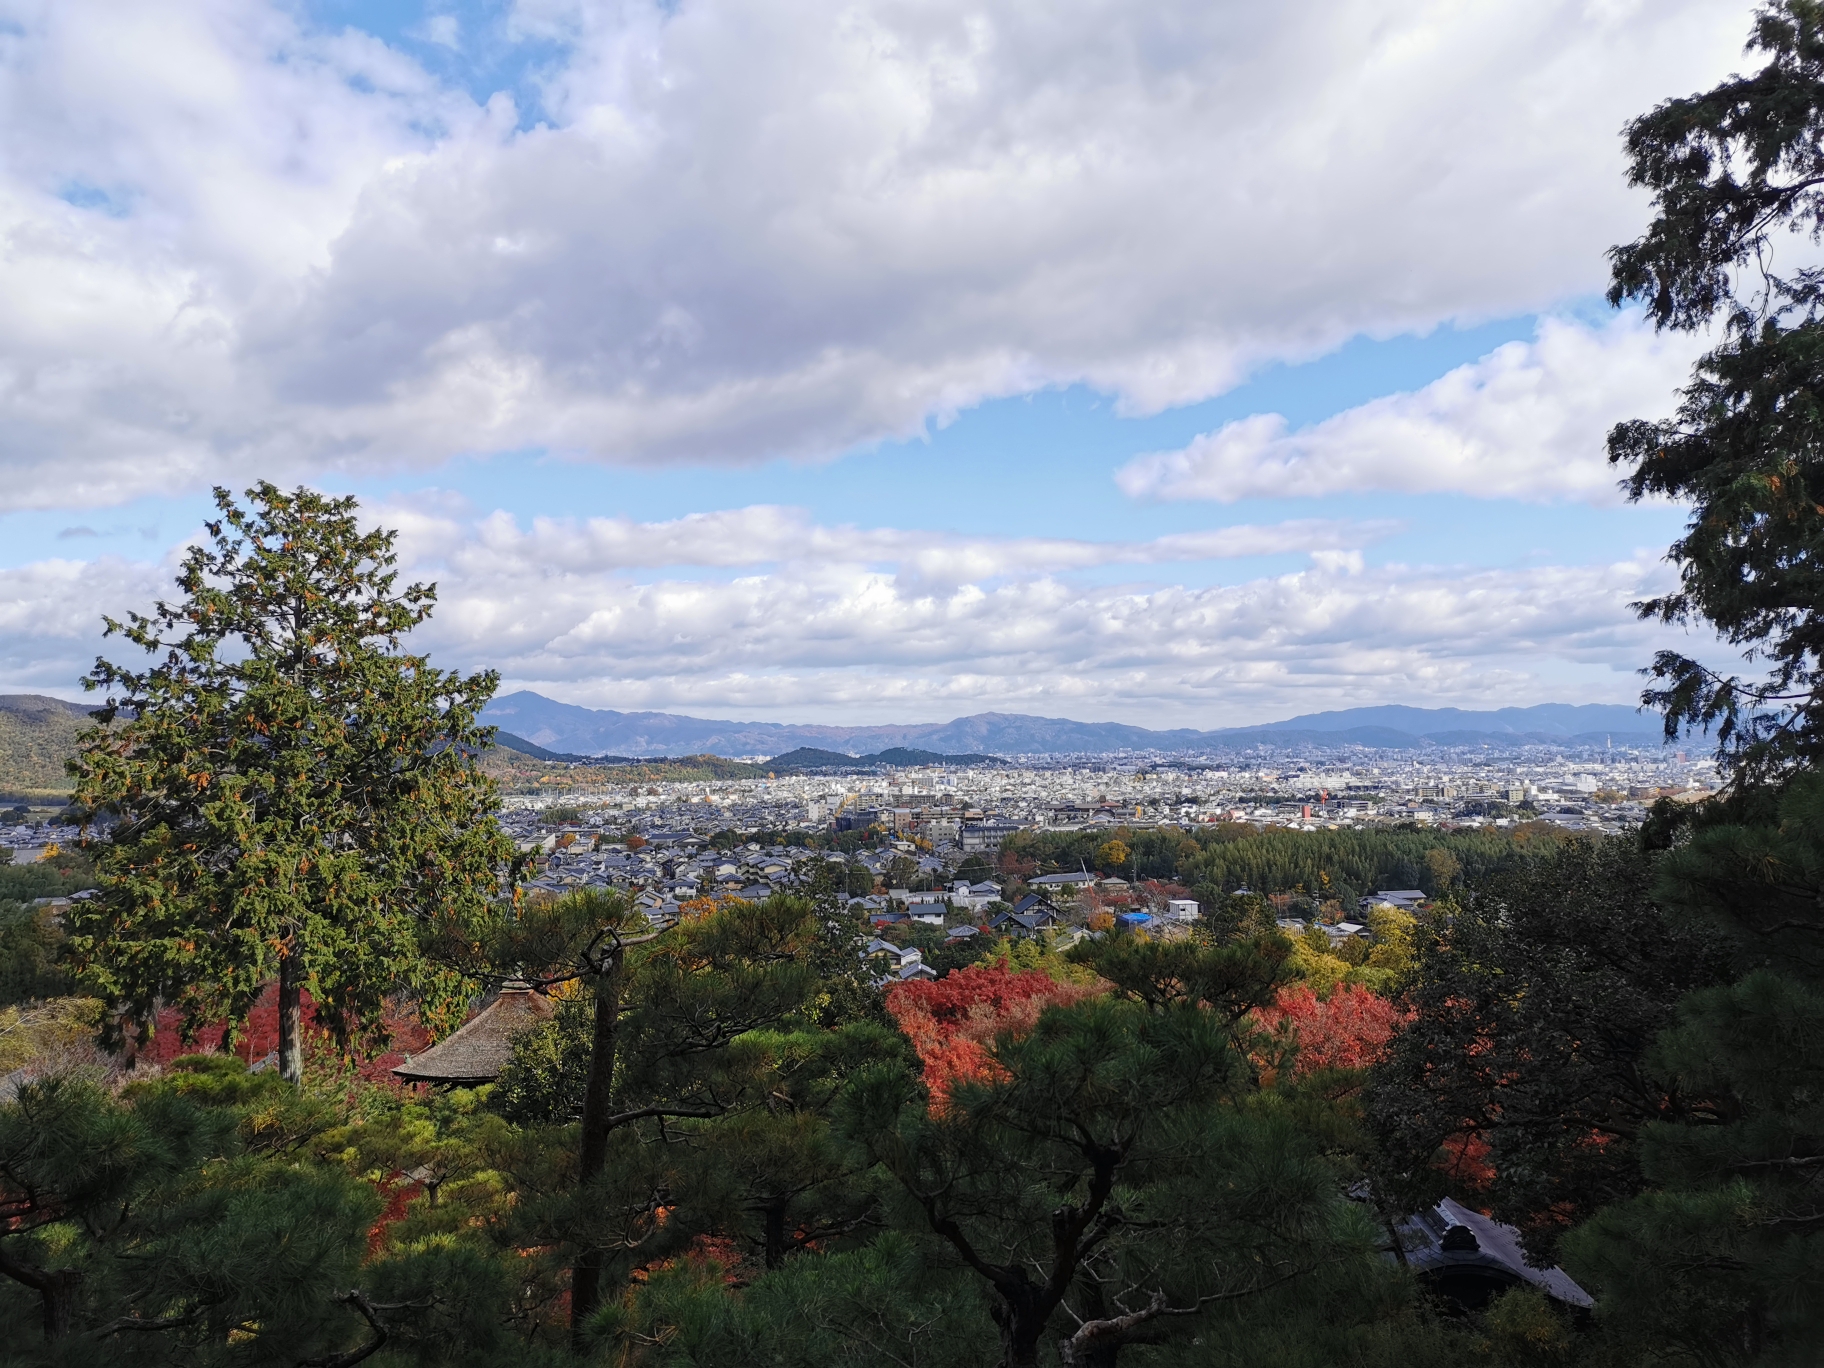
(59, 1293)
(56, 1289)
(586, 1277)
(773, 1217)
(1022, 1323)
(291, 1013)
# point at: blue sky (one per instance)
(1039, 463)
(1195, 366)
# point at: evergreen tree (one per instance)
(296, 794)
(169, 1225)
(1716, 1254)
(1117, 1175)
(1536, 1002)
(1737, 172)
(678, 1027)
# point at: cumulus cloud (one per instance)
(50, 616)
(845, 624)
(497, 547)
(838, 642)
(234, 245)
(1528, 421)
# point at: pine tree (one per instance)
(677, 1027)
(1117, 1174)
(297, 795)
(171, 1225)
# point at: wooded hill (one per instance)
(37, 734)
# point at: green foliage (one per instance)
(68, 872)
(296, 794)
(884, 1303)
(31, 948)
(1732, 172)
(1751, 865)
(37, 735)
(859, 880)
(31, 938)
(1118, 1164)
(163, 1226)
(1214, 860)
(717, 1046)
(1722, 1256)
(975, 869)
(1537, 1001)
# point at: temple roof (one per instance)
(478, 1050)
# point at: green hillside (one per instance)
(37, 734)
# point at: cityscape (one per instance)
(980, 684)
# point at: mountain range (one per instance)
(37, 733)
(568, 728)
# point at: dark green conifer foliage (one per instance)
(1721, 1260)
(166, 1226)
(1122, 1175)
(710, 1022)
(1737, 178)
(297, 795)
(1536, 1003)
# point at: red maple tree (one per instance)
(953, 1021)
(1348, 1030)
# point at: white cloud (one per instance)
(841, 624)
(498, 548)
(232, 247)
(50, 616)
(1528, 421)
(845, 644)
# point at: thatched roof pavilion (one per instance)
(478, 1050)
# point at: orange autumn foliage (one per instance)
(1348, 1030)
(952, 1021)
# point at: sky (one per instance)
(1195, 363)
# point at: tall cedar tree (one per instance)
(296, 794)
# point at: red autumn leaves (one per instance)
(952, 1022)
(1348, 1030)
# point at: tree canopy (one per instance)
(296, 794)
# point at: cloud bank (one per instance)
(235, 244)
(845, 622)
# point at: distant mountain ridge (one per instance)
(38, 733)
(568, 728)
